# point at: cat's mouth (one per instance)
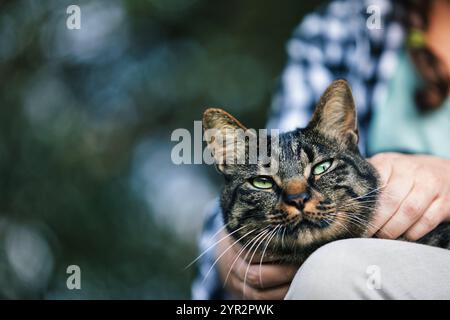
(293, 224)
(316, 212)
(304, 218)
(307, 226)
(310, 220)
(316, 222)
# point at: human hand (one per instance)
(245, 276)
(415, 195)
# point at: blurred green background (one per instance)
(85, 121)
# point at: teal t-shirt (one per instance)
(397, 125)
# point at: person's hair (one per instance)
(436, 80)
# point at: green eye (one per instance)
(321, 167)
(262, 182)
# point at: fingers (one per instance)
(383, 165)
(429, 220)
(396, 189)
(232, 266)
(265, 275)
(411, 203)
(409, 212)
(245, 291)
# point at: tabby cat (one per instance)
(323, 190)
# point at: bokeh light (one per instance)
(85, 121)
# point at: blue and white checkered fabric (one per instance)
(331, 43)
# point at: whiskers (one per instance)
(353, 215)
(262, 237)
(270, 237)
(220, 240)
(373, 192)
(225, 251)
(264, 231)
(354, 208)
(214, 244)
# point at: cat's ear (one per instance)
(215, 118)
(335, 114)
(225, 137)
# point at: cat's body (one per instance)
(323, 189)
(439, 237)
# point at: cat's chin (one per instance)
(292, 243)
(296, 247)
(295, 255)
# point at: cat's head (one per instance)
(322, 189)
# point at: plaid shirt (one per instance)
(333, 42)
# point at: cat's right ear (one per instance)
(223, 135)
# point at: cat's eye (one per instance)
(262, 182)
(321, 167)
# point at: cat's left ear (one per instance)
(226, 138)
(335, 114)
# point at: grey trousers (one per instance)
(373, 269)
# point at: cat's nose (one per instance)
(298, 200)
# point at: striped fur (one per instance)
(337, 204)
